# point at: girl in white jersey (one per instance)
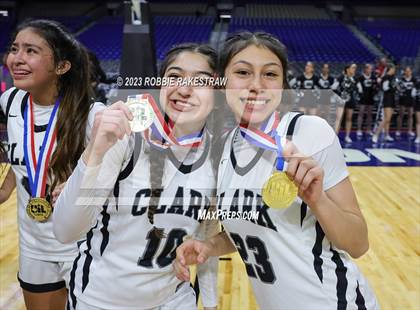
(47, 114)
(296, 258)
(135, 201)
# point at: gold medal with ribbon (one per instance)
(39, 209)
(278, 191)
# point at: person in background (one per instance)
(407, 91)
(366, 86)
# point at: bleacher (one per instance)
(5, 32)
(399, 37)
(105, 37)
(172, 30)
(285, 11)
(323, 40)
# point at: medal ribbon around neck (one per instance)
(266, 137)
(37, 168)
(160, 134)
(278, 191)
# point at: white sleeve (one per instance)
(96, 107)
(207, 272)
(333, 162)
(413, 92)
(317, 139)
(385, 86)
(4, 98)
(292, 82)
(85, 193)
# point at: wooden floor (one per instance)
(390, 200)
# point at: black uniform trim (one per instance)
(41, 288)
(9, 102)
(342, 282)
(317, 251)
(185, 169)
(360, 300)
(88, 260)
(104, 229)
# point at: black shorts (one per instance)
(367, 101)
(417, 106)
(389, 101)
(406, 101)
(351, 104)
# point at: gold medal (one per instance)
(142, 112)
(279, 191)
(39, 209)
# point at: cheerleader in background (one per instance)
(347, 90)
(407, 96)
(389, 88)
(366, 86)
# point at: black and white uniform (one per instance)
(327, 86)
(366, 86)
(407, 91)
(290, 262)
(389, 87)
(417, 97)
(310, 89)
(347, 90)
(122, 264)
(44, 262)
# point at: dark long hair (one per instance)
(75, 92)
(157, 157)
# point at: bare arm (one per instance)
(339, 215)
(8, 185)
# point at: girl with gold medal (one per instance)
(296, 256)
(48, 114)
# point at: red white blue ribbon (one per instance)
(37, 167)
(160, 134)
(266, 137)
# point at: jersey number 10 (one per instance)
(167, 255)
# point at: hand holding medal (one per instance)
(306, 173)
(300, 175)
(143, 114)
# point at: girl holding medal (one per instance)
(47, 114)
(136, 195)
(295, 253)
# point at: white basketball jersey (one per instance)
(122, 264)
(36, 240)
(289, 261)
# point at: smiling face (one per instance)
(254, 84)
(188, 106)
(31, 62)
